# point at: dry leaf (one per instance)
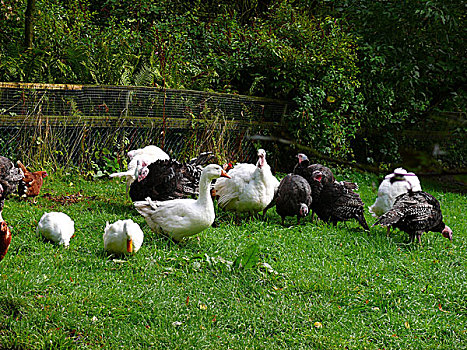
(203, 306)
(318, 325)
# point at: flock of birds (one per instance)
(161, 189)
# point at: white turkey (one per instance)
(138, 159)
(415, 213)
(393, 185)
(179, 218)
(292, 198)
(56, 227)
(123, 236)
(150, 150)
(250, 189)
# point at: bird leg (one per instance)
(127, 190)
(388, 231)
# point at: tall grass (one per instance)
(327, 288)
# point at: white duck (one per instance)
(139, 159)
(393, 185)
(123, 236)
(179, 218)
(251, 188)
(56, 227)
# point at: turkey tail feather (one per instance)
(361, 219)
(388, 219)
(202, 159)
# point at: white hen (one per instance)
(140, 158)
(393, 185)
(56, 227)
(123, 236)
(179, 218)
(251, 188)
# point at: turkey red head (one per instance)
(301, 157)
(131, 154)
(447, 232)
(43, 173)
(303, 211)
(317, 175)
(261, 158)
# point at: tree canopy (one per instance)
(361, 72)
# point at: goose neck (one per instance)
(204, 193)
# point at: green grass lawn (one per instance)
(329, 287)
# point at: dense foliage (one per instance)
(360, 72)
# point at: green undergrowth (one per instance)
(254, 284)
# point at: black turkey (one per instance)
(306, 170)
(10, 176)
(336, 202)
(318, 176)
(415, 213)
(169, 179)
(293, 197)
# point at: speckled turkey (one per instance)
(10, 176)
(292, 198)
(170, 179)
(415, 213)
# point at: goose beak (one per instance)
(224, 174)
(129, 246)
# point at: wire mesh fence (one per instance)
(94, 126)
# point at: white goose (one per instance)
(179, 218)
(251, 188)
(56, 227)
(123, 236)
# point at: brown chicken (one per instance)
(5, 239)
(31, 184)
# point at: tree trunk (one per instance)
(29, 24)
